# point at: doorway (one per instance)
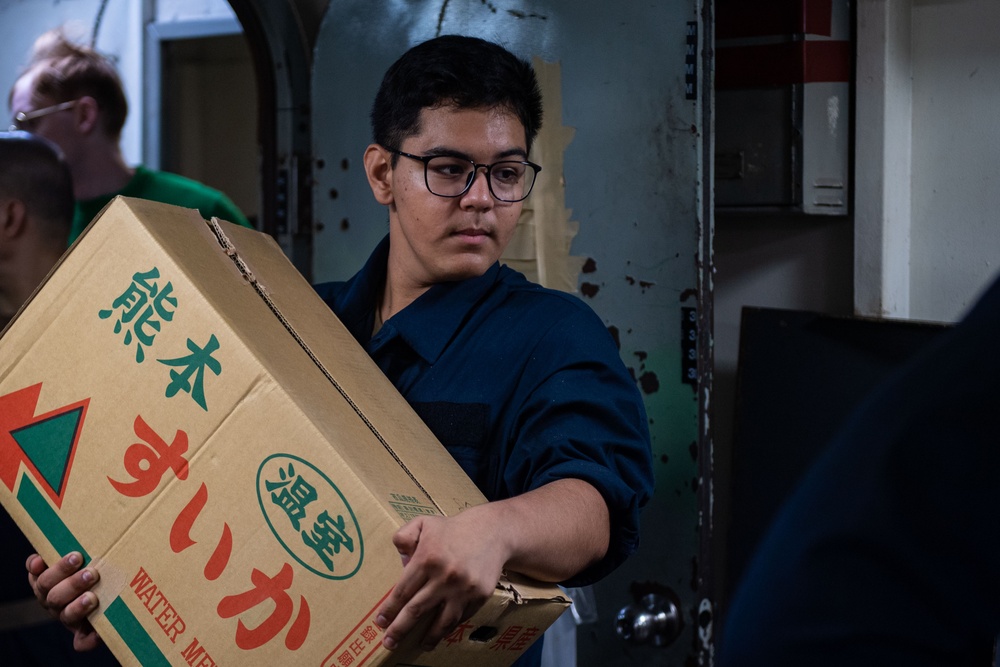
(204, 77)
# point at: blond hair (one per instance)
(64, 70)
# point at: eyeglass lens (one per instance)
(450, 177)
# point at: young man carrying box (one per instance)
(523, 385)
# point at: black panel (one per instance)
(799, 376)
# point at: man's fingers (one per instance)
(448, 618)
(406, 538)
(64, 590)
(75, 613)
(440, 621)
(401, 599)
(63, 583)
(85, 638)
(42, 579)
(35, 565)
(417, 609)
(50, 577)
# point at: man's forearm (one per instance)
(554, 531)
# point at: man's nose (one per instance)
(479, 189)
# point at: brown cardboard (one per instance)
(177, 403)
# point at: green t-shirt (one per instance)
(163, 187)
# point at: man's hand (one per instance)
(450, 569)
(451, 565)
(64, 591)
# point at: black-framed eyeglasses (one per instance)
(25, 120)
(452, 176)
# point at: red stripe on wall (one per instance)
(742, 18)
(782, 64)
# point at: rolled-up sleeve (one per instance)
(583, 417)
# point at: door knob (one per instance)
(654, 618)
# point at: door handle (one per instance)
(654, 618)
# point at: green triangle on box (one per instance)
(48, 444)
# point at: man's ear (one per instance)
(13, 218)
(378, 168)
(86, 114)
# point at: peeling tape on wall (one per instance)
(540, 248)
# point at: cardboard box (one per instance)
(178, 404)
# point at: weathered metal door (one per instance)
(625, 192)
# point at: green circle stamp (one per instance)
(309, 516)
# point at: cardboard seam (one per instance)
(244, 269)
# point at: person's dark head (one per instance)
(61, 71)
(33, 171)
(453, 70)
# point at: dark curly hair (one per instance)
(454, 70)
(33, 170)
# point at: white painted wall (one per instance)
(882, 160)
(955, 194)
(191, 10)
(927, 171)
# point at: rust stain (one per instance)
(649, 382)
(644, 284)
(523, 15)
(589, 289)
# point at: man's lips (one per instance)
(473, 234)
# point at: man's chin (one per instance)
(470, 267)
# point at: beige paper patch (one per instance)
(540, 248)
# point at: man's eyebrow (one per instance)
(451, 152)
